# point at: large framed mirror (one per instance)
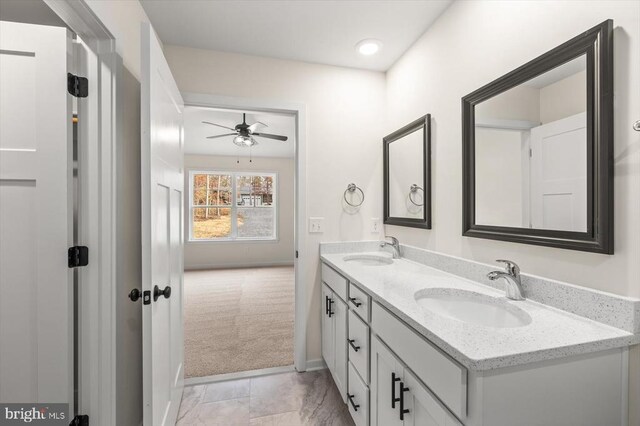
(407, 175)
(538, 149)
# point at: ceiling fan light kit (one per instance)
(244, 133)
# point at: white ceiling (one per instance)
(30, 12)
(320, 31)
(195, 133)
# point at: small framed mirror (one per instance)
(407, 175)
(537, 149)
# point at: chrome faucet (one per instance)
(395, 244)
(511, 275)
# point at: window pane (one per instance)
(256, 222)
(207, 188)
(211, 223)
(254, 191)
(219, 198)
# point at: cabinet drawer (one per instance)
(359, 345)
(359, 301)
(337, 282)
(358, 398)
(444, 376)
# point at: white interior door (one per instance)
(162, 239)
(36, 293)
(559, 174)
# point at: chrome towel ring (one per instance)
(414, 189)
(351, 188)
(636, 126)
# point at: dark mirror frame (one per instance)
(423, 123)
(597, 45)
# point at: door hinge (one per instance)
(77, 86)
(296, 254)
(80, 420)
(78, 256)
(530, 152)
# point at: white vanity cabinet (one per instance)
(334, 327)
(391, 374)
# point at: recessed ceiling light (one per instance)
(368, 47)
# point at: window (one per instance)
(232, 206)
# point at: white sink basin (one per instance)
(368, 259)
(471, 307)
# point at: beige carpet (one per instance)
(238, 320)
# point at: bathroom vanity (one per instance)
(426, 339)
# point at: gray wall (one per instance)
(204, 254)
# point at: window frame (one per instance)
(233, 237)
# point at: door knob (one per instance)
(157, 293)
(135, 294)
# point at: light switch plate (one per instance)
(375, 225)
(316, 225)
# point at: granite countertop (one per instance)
(551, 334)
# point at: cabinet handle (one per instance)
(394, 379)
(353, 345)
(326, 305)
(353, 404)
(355, 302)
(403, 410)
(330, 311)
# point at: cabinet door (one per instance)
(339, 318)
(328, 337)
(384, 369)
(423, 408)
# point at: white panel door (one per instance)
(559, 174)
(36, 293)
(162, 239)
(386, 373)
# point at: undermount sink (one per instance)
(368, 259)
(471, 307)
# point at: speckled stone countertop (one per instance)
(551, 334)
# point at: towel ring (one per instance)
(353, 188)
(636, 126)
(414, 188)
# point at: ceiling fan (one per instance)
(244, 133)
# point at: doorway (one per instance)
(240, 242)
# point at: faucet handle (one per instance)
(511, 267)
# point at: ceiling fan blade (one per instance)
(269, 136)
(219, 125)
(221, 136)
(254, 126)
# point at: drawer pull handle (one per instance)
(353, 404)
(355, 302)
(353, 345)
(403, 410)
(394, 379)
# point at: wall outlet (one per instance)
(316, 225)
(376, 227)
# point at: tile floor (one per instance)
(289, 399)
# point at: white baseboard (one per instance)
(316, 364)
(235, 265)
(236, 376)
(312, 365)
